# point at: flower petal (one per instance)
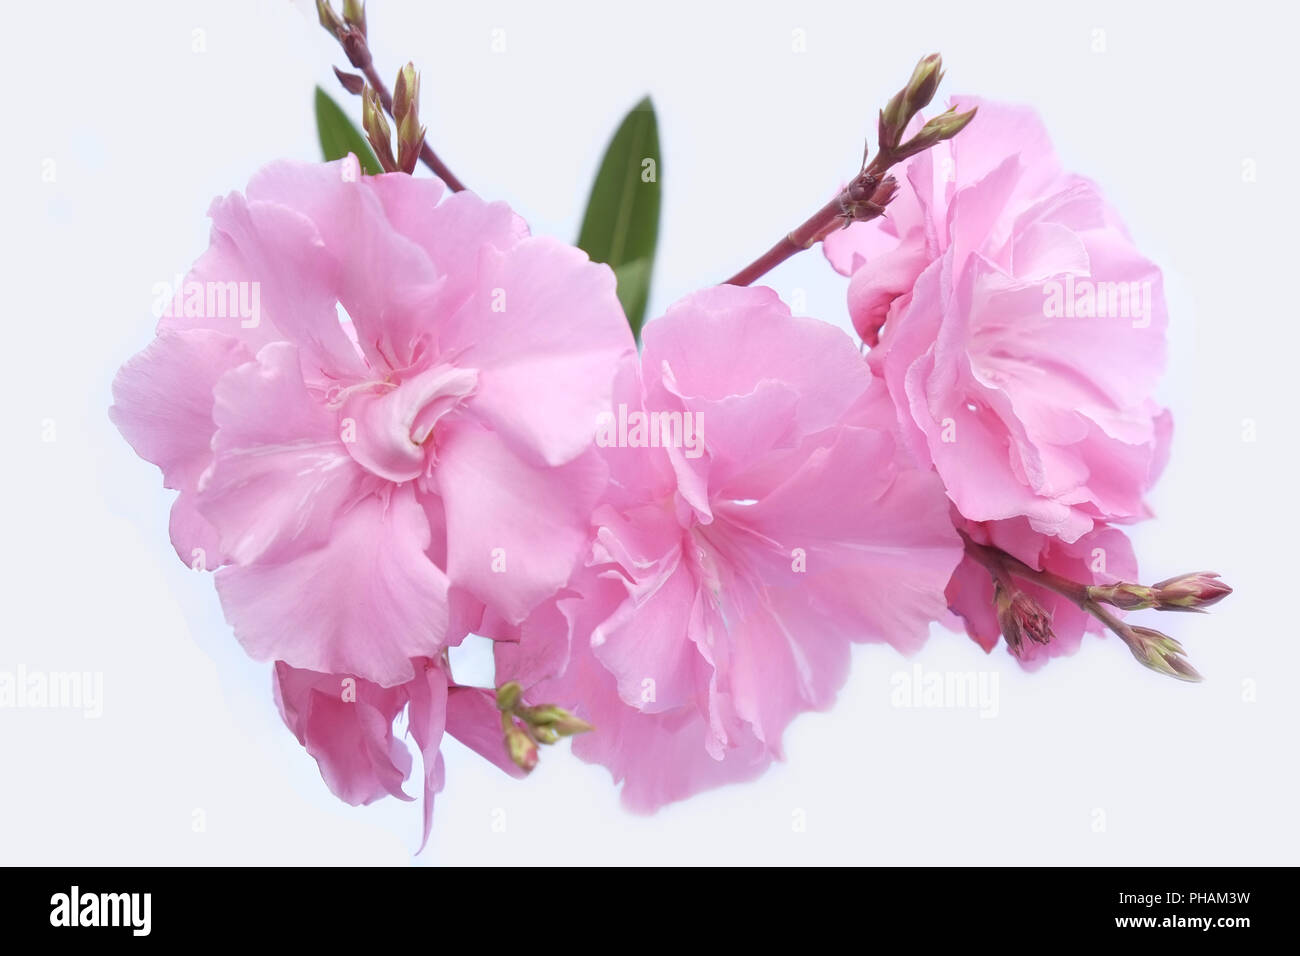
(547, 335)
(364, 603)
(346, 724)
(163, 400)
(280, 472)
(515, 530)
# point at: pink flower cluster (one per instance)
(1023, 335)
(440, 426)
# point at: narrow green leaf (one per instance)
(621, 226)
(338, 136)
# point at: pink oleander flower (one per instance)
(346, 724)
(729, 575)
(398, 434)
(1018, 330)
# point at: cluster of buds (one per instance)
(872, 189)
(909, 101)
(866, 197)
(1020, 617)
(525, 727)
(406, 113)
(1160, 652)
(1186, 592)
(375, 123)
(349, 29)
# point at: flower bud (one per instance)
(1184, 592)
(568, 725)
(350, 30)
(909, 101)
(523, 752)
(885, 192)
(352, 82)
(508, 695)
(1190, 592)
(892, 123)
(355, 48)
(354, 14)
(1125, 596)
(1159, 652)
(556, 718)
(944, 126)
(377, 130)
(406, 112)
(543, 734)
(863, 199)
(406, 92)
(410, 140)
(1021, 618)
(921, 87)
(329, 19)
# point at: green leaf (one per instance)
(338, 136)
(621, 226)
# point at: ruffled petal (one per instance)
(162, 400)
(364, 603)
(428, 716)
(281, 473)
(346, 725)
(546, 333)
(515, 530)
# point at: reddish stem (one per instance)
(850, 205)
(999, 564)
(804, 237)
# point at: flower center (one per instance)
(392, 425)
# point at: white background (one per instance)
(1092, 760)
